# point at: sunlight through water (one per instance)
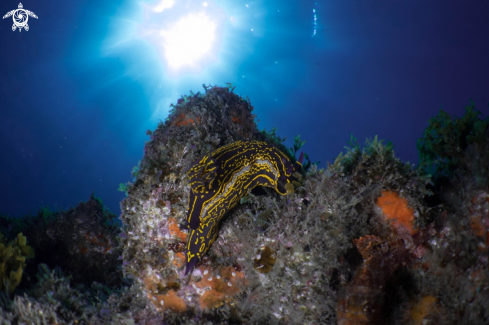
(167, 46)
(188, 40)
(185, 33)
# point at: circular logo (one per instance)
(20, 18)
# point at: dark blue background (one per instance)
(80, 88)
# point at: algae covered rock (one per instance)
(368, 240)
(83, 241)
(274, 256)
(361, 242)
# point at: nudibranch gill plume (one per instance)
(221, 178)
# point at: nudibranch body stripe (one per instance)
(221, 178)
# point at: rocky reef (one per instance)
(368, 240)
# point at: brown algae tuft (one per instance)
(265, 260)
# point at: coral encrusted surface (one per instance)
(367, 240)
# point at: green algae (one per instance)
(12, 262)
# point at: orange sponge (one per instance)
(422, 310)
(396, 209)
(163, 300)
(175, 230)
(222, 288)
(183, 120)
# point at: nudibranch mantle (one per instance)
(221, 178)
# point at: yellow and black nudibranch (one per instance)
(221, 178)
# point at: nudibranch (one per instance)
(221, 178)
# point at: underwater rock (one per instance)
(422, 310)
(83, 241)
(229, 277)
(361, 242)
(364, 300)
(292, 255)
(364, 297)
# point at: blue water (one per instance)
(80, 88)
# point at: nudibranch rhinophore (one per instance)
(221, 178)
